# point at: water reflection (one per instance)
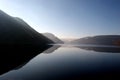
(16, 57)
(68, 63)
(101, 49)
(52, 49)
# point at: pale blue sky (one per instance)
(67, 18)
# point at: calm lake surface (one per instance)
(69, 62)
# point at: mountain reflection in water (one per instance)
(110, 49)
(51, 49)
(69, 62)
(16, 57)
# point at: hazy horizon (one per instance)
(68, 18)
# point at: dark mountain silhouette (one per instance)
(18, 42)
(53, 38)
(113, 40)
(14, 31)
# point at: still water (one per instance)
(67, 62)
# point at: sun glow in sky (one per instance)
(67, 18)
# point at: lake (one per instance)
(70, 62)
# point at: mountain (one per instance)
(53, 38)
(18, 42)
(113, 40)
(15, 32)
(67, 40)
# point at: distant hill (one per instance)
(67, 40)
(53, 38)
(99, 40)
(14, 31)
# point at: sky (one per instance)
(67, 18)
